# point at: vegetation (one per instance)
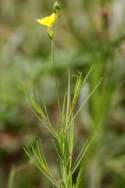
(84, 118)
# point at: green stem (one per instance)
(11, 178)
(54, 71)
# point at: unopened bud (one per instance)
(50, 34)
(56, 7)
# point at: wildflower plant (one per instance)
(63, 130)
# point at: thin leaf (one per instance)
(37, 108)
(87, 98)
(82, 155)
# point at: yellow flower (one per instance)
(48, 21)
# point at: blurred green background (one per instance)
(88, 32)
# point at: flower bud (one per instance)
(50, 33)
(56, 7)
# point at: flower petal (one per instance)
(48, 21)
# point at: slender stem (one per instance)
(54, 72)
(11, 178)
(52, 48)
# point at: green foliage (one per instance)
(63, 134)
